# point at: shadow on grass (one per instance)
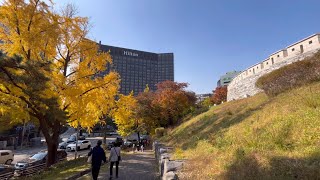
(209, 125)
(249, 167)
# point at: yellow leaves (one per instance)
(12, 110)
(28, 29)
(124, 114)
(76, 74)
(147, 89)
(91, 97)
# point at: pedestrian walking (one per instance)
(142, 148)
(97, 156)
(114, 159)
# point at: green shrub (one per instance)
(291, 76)
(159, 132)
(200, 110)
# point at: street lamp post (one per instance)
(77, 137)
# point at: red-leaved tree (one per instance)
(174, 101)
(219, 95)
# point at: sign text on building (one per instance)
(128, 53)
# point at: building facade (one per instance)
(202, 97)
(139, 68)
(227, 78)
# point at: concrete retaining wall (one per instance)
(167, 166)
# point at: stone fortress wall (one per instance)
(243, 85)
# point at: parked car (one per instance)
(37, 159)
(146, 137)
(61, 155)
(73, 137)
(6, 156)
(112, 133)
(63, 145)
(119, 140)
(113, 142)
(110, 144)
(84, 144)
(6, 172)
(127, 143)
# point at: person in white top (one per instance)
(114, 158)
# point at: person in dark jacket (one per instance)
(98, 155)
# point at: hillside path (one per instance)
(134, 166)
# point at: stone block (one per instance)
(173, 165)
(164, 157)
(170, 176)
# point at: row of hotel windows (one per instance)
(141, 68)
(142, 61)
(137, 65)
(136, 88)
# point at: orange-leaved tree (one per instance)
(219, 95)
(174, 101)
(147, 110)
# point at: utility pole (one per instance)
(77, 137)
(23, 131)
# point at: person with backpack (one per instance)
(97, 156)
(114, 158)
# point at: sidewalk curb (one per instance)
(78, 175)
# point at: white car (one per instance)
(64, 144)
(6, 156)
(85, 144)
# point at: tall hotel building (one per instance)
(139, 68)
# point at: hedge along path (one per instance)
(134, 166)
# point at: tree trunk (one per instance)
(52, 152)
(51, 134)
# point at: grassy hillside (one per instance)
(254, 138)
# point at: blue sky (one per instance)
(208, 37)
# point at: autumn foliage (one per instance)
(125, 114)
(219, 95)
(51, 71)
(164, 107)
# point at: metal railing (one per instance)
(30, 170)
(7, 175)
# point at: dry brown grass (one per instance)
(254, 138)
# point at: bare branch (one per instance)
(72, 73)
(93, 88)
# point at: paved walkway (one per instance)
(137, 166)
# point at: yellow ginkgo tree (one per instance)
(126, 117)
(50, 66)
(124, 114)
